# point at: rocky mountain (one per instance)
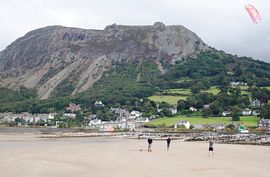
(49, 56)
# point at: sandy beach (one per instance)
(31, 156)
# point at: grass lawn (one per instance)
(180, 91)
(244, 90)
(167, 98)
(244, 87)
(245, 120)
(214, 90)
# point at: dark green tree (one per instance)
(265, 111)
(236, 113)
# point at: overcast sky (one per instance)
(223, 24)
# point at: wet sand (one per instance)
(30, 156)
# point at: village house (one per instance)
(112, 125)
(142, 120)
(186, 124)
(226, 113)
(237, 84)
(95, 123)
(264, 123)
(99, 104)
(69, 115)
(72, 107)
(43, 117)
(206, 106)
(122, 114)
(8, 117)
(134, 115)
(173, 110)
(39, 119)
(246, 112)
(255, 103)
(192, 109)
(27, 118)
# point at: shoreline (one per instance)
(241, 139)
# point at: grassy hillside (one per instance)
(167, 98)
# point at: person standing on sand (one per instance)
(168, 143)
(150, 141)
(211, 147)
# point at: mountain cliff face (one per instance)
(45, 57)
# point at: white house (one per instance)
(43, 117)
(29, 119)
(111, 126)
(185, 123)
(206, 106)
(226, 113)
(95, 123)
(135, 114)
(142, 120)
(236, 84)
(192, 109)
(246, 112)
(173, 110)
(99, 104)
(70, 115)
(51, 116)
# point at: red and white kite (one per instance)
(253, 13)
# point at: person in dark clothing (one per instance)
(211, 147)
(150, 141)
(168, 143)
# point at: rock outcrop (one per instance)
(43, 58)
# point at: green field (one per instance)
(214, 90)
(244, 120)
(167, 98)
(244, 90)
(244, 87)
(179, 91)
(184, 93)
